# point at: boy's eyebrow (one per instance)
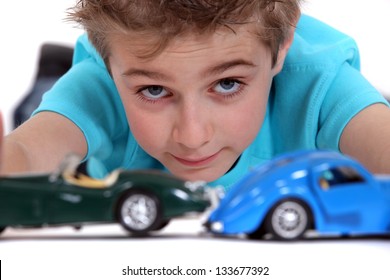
(146, 73)
(220, 68)
(214, 70)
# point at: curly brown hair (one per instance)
(167, 19)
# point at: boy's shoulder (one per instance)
(316, 42)
(85, 50)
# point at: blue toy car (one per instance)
(320, 190)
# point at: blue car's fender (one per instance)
(244, 210)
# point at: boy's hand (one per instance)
(21, 152)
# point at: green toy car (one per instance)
(141, 201)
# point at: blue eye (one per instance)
(154, 92)
(227, 86)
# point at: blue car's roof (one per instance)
(299, 158)
(308, 155)
(287, 162)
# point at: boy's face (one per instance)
(197, 105)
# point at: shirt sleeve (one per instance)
(348, 94)
(87, 96)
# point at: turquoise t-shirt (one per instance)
(312, 99)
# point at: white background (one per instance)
(24, 26)
(101, 252)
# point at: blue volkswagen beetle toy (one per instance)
(316, 190)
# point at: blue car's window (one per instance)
(339, 176)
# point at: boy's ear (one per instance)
(283, 49)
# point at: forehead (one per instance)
(224, 41)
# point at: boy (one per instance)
(205, 89)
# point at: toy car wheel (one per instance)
(2, 229)
(140, 212)
(288, 220)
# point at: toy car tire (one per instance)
(288, 220)
(2, 229)
(140, 212)
(162, 225)
(258, 233)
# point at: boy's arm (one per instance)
(367, 138)
(41, 143)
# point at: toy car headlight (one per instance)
(216, 226)
(181, 194)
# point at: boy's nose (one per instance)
(193, 127)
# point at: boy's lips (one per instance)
(196, 162)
